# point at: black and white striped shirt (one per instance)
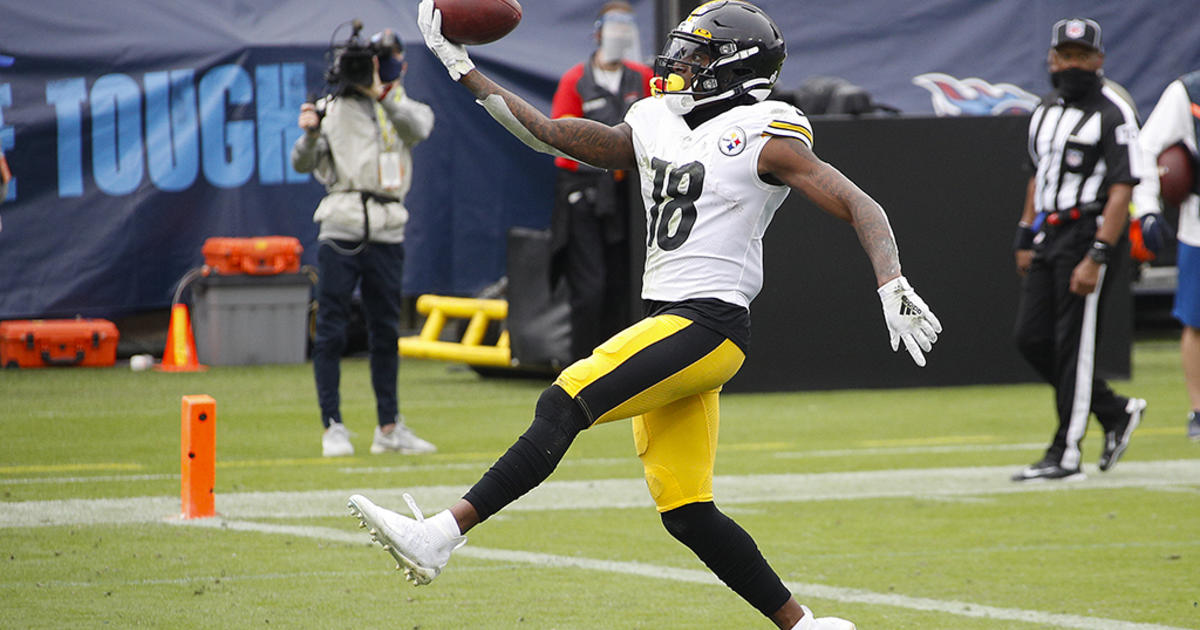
(1082, 148)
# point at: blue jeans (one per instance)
(379, 268)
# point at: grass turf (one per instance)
(1129, 553)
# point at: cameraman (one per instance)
(358, 143)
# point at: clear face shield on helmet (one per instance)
(682, 73)
(619, 37)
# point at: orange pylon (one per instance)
(180, 353)
(198, 455)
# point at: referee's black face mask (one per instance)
(1073, 84)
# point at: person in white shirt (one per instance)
(1176, 119)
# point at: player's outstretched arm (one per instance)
(907, 316)
(580, 139)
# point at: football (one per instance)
(1176, 174)
(474, 22)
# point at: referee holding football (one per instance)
(1083, 144)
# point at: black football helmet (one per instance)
(732, 48)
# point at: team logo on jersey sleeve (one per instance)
(733, 141)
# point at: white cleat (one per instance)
(822, 623)
(420, 548)
(833, 623)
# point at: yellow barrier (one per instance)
(471, 349)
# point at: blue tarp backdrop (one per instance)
(137, 129)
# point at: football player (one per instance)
(716, 159)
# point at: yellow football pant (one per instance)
(665, 372)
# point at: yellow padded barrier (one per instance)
(471, 349)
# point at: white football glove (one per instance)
(453, 56)
(908, 318)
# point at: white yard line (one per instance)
(965, 483)
(483, 461)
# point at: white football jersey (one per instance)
(1171, 121)
(706, 207)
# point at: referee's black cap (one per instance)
(1082, 31)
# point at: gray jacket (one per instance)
(348, 155)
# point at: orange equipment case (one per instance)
(58, 342)
(258, 256)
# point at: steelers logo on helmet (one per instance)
(723, 50)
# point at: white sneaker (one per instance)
(420, 547)
(336, 441)
(823, 623)
(400, 440)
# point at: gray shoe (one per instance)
(400, 440)
(336, 441)
(1194, 426)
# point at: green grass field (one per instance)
(890, 508)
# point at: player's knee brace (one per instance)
(557, 406)
(556, 421)
(729, 552)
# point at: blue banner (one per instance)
(137, 129)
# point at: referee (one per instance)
(1082, 141)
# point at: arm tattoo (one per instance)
(588, 140)
(875, 235)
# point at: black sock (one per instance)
(556, 421)
(729, 552)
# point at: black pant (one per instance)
(1057, 332)
(378, 270)
(592, 253)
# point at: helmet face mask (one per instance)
(691, 55)
(727, 48)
